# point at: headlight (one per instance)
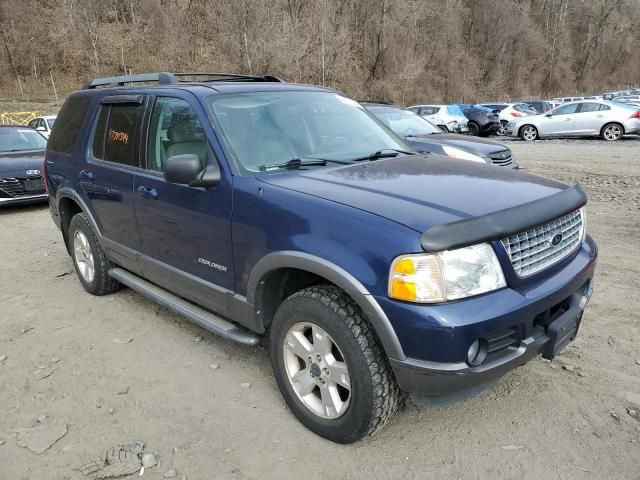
(448, 275)
(462, 155)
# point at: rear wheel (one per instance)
(612, 132)
(91, 264)
(474, 128)
(330, 367)
(529, 133)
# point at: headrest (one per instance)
(184, 131)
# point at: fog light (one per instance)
(477, 353)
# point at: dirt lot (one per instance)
(574, 418)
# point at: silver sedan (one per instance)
(609, 120)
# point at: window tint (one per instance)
(566, 109)
(69, 120)
(604, 107)
(589, 107)
(115, 134)
(174, 130)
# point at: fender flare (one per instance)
(339, 277)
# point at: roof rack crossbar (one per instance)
(163, 78)
(166, 78)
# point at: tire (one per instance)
(612, 132)
(528, 133)
(91, 264)
(372, 397)
(474, 129)
(502, 131)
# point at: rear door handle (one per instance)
(146, 192)
(87, 175)
(599, 116)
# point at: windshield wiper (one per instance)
(422, 135)
(296, 163)
(386, 153)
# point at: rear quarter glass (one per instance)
(65, 129)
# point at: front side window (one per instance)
(566, 109)
(115, 134)
(174, 130)
(266, 128)
(20, 139)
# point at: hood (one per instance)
(420, 191)
(475, 145)
(16, 164)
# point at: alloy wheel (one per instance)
(83, 256)
(529, 133)
(317, 370)
(502, 131)
(612, 132)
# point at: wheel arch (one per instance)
(612, 123)
(268, 281)
(68, 205)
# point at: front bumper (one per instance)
(432, 378)
(23, 199)
(543, 318)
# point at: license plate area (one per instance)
(562, 331)
(33, 184)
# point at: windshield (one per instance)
(20, 139)
(50, 122)
(405, 123)
(266, 128)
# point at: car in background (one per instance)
(540, 106)
(626, 98)
(21, 163)
(425, 137)
(482, 121)
(448, 117)
(509, 111)
(609, 120)
(43, 124)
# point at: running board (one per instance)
(197, 315)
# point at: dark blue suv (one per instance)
(284, 213)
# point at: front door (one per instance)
(560, 121)
(185, 231)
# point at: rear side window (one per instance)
(69, 120)
(114, 138)
(604, 107)
(589, 107)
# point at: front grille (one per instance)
(534, 250)
(15, 187)
(502, 158)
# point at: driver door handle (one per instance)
(146, 192)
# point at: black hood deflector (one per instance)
(503, 223)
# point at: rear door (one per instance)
(589, 119)
(560, 122)
(185, 231)
(107, 178)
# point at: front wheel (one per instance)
(529, 133)
(612, 132)
(330, 367)
(502, 131)
(474, 129)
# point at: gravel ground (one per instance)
(99, 372)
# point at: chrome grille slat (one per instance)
(531, 251)
(502, 158)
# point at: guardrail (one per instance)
(19, 118)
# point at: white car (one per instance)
(43, 124)
(609, 120)
(448, 117)
(509, 111)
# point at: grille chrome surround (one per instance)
(532, 250)
(502, 158)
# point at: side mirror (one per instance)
(548, 114)
(188, 170)
(41, 129)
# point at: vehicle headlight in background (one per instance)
(462, 155)
(448, 275)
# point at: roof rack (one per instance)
(166, 78)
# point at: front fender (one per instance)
(339, 277)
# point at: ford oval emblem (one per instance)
(556, 239)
